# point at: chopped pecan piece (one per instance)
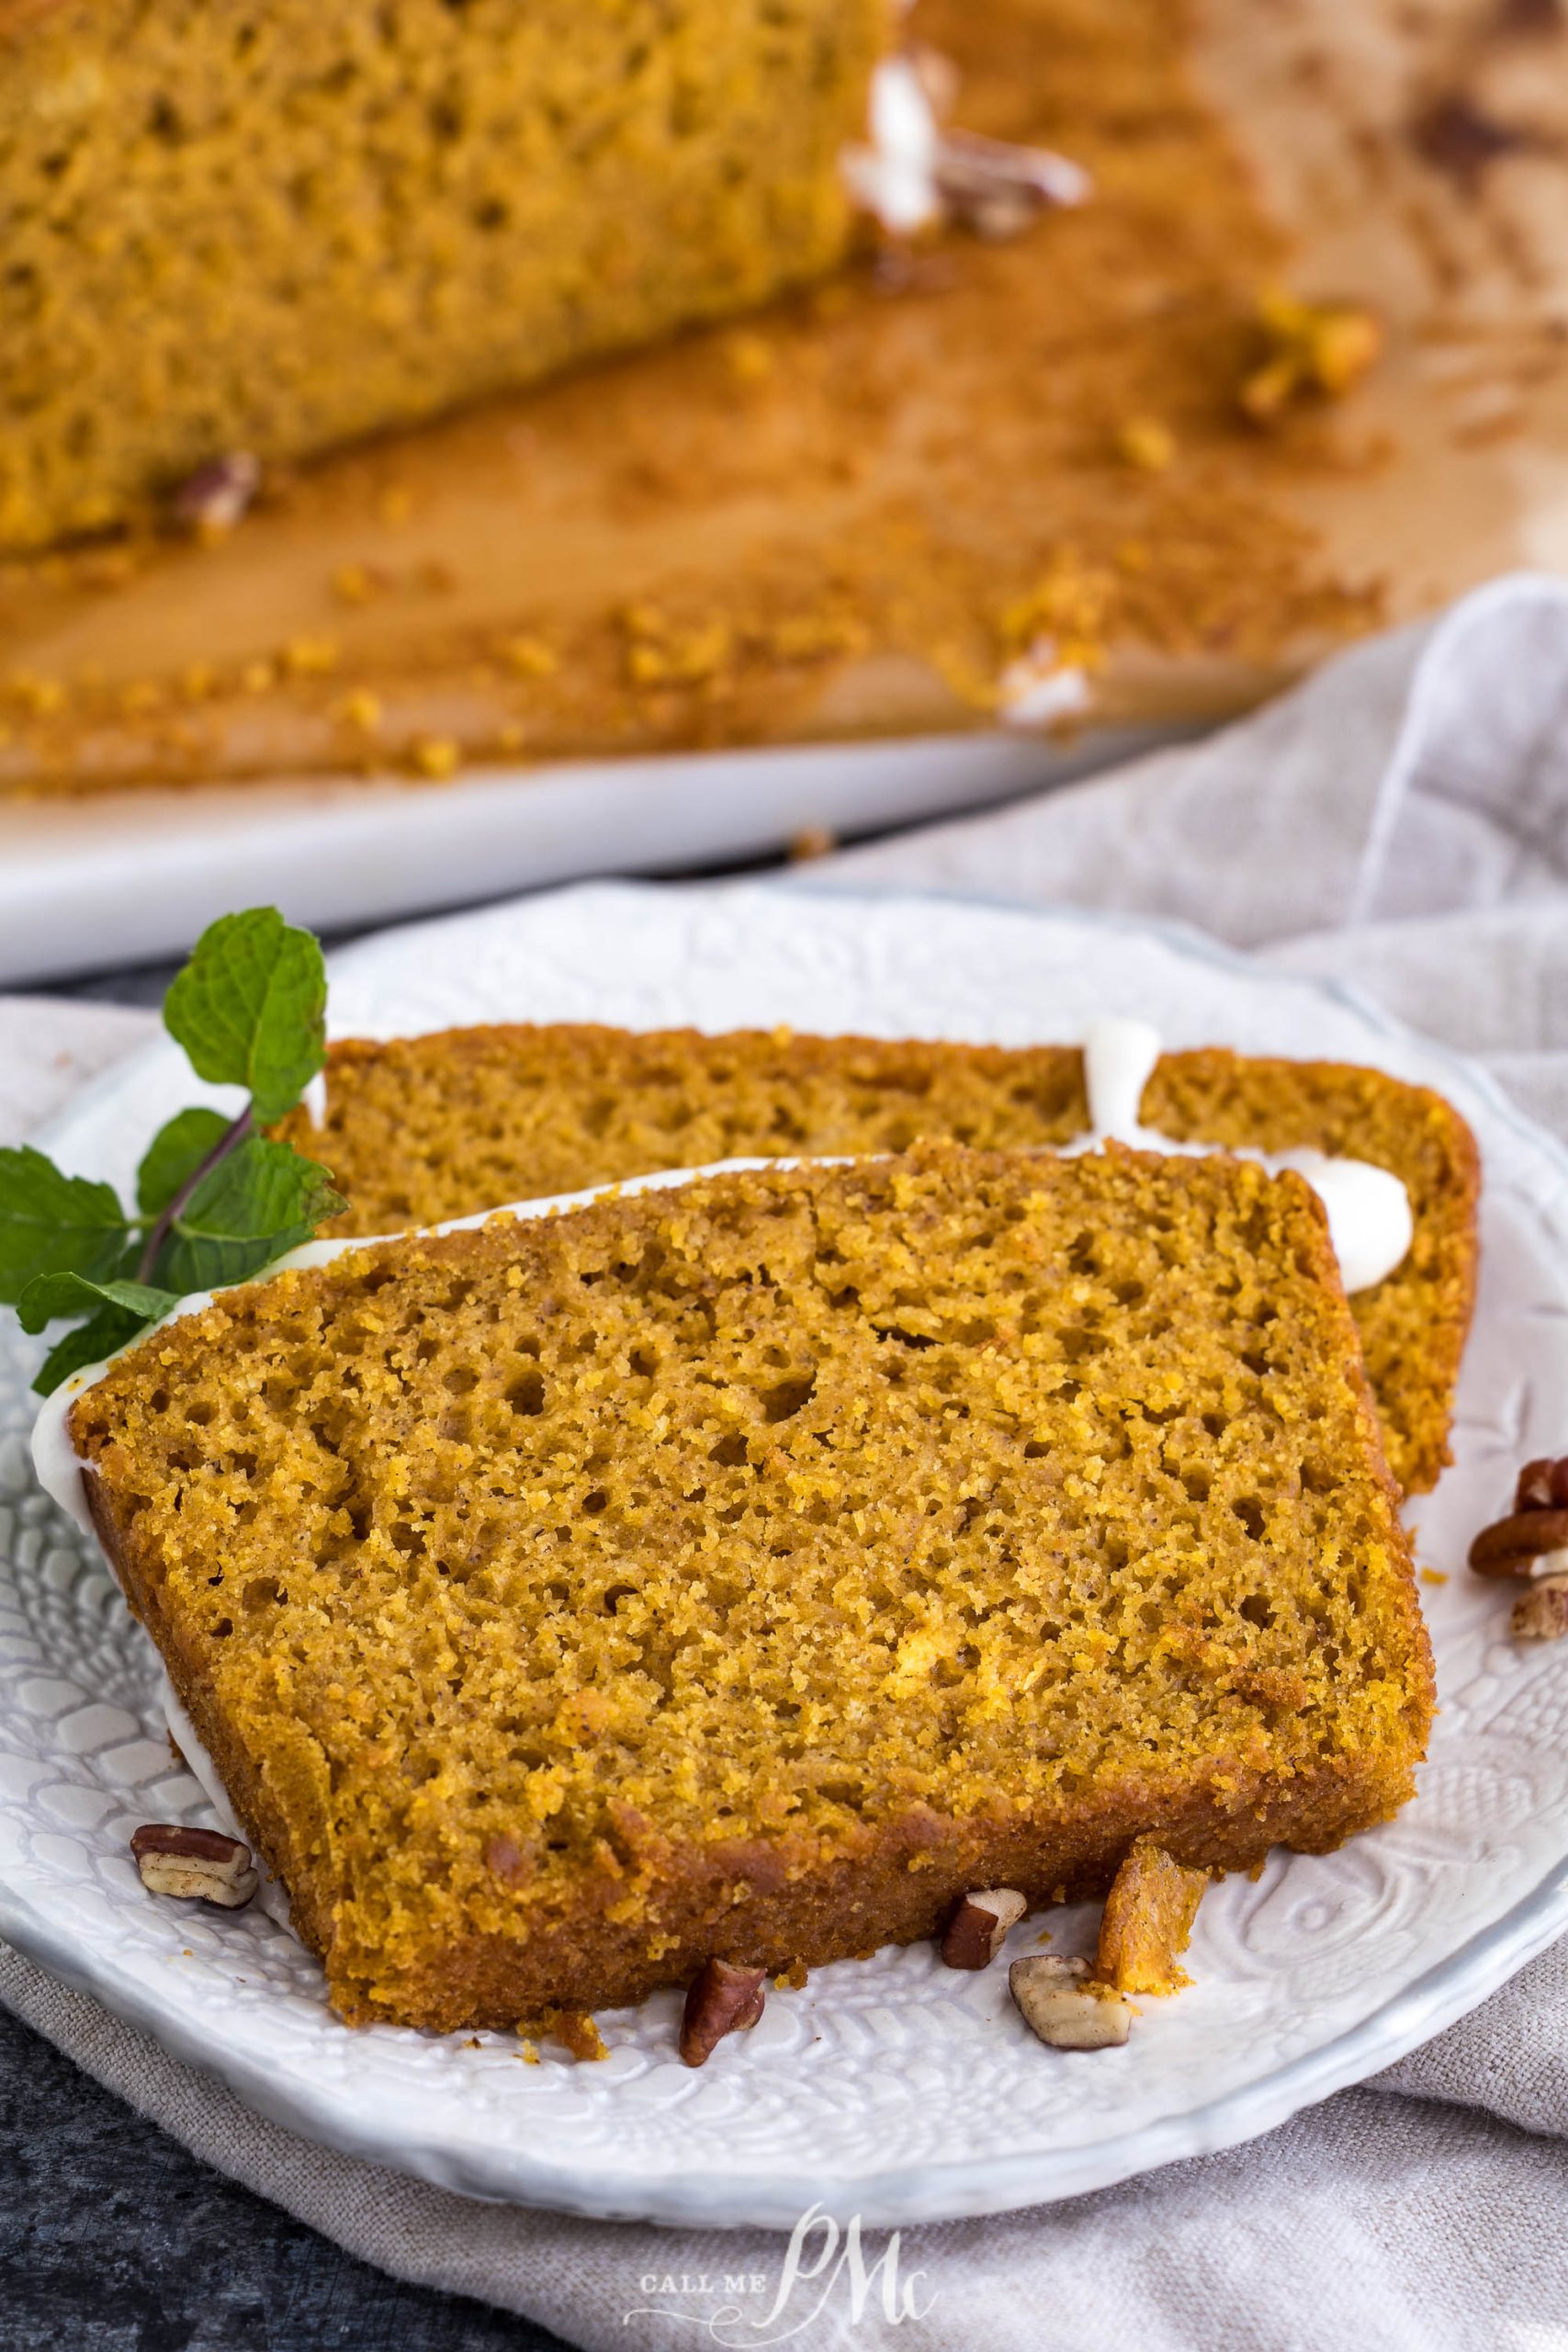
(214, 498)
(1064, 2005)
(507, 1860)
(1541, 1614)
(724, 1998)
(194, 1863)
(997, 189)
(1510, 1546)
(978, 1927)
(1543, 1485)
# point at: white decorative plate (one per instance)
(120, 878)
(894, 2088)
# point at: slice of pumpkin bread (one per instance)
(424, 1128)
(745, 1569)
(276, 227)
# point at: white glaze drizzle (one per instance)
(1037, 689)
(896, 175)
(1369, 1221)
(188, 1739)
(313, 1100)
(271, 1894)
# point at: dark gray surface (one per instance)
(113, 2238)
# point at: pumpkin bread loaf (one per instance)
(745, 1569)
(277, 226)
(426, 1128)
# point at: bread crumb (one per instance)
(361, 708)
(1147, 1921)
(579, 2031)
(1146, 445)
(435, 756)
(812, 841)
(529, 657)
(353, 584)
(310, 656)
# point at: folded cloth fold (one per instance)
(1399, 824)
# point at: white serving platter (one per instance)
(892, 2087)
(123, 878)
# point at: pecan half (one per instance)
(980, 1926)
(1061, 2004)
(214, 498)
(995, 188)
(199, 1863)
(1543, 1485)
(1507, 1547)
(1540, 1614)
(724, 1998)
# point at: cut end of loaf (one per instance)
(744, 1570)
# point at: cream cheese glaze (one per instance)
(1369, 1208)
(271, 1894)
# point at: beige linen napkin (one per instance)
(1402, 822)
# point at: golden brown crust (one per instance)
(534, 1706)
(896, 1888)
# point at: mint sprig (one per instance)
(51, 1223)
(178, 1152)
(215, 1200)
(251, 1010)
(262, 1199)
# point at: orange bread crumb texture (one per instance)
(426, 1128)
(745, 1570)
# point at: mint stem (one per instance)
(227, 1142)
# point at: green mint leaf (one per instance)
(50, 1222)
(174, 1154)
(48, 1297)
(264, 1199)
(250, 1009)
(90, 1342)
